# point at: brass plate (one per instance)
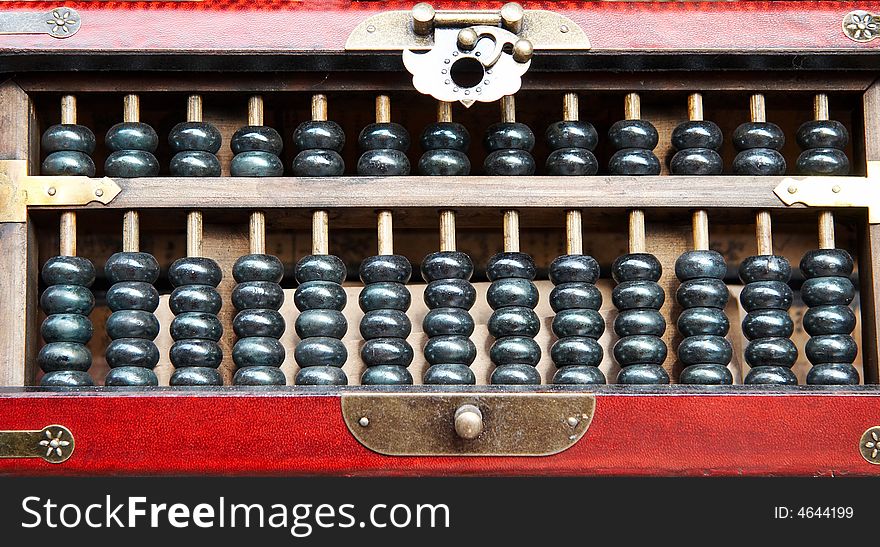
(60, 22)
(53, 443)
(833, 192)
(422, 424)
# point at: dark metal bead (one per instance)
(450, 349)
(579, 322)
(822, 134)
(697, 264)
(697, 134)
(131, 164)
(452, 293)
(67, 299)
(256, 164)
(762, 295)
(68, 137)
(636, 267)
(696, 161)
(638, 294)
(386, 324)
(831, 348)
(449, 374)
(760, 162)
(66, 378)
(320, 351)
(446, 135)
(320, 268)
(510, 264)
(704, 350)
(703, 320)
(447, 265)
(515, 350)
(132, 324)
(829, 320)
(579, 375)
(383, 162)
(770, 375)
(386, 375)
(257, 294)
(571, 134)
(633, 134)
(196, 353)
(321, 376)
(385, 268)
(767, 324)
(67, 327)
(388, 135)
(765, 268)
(68, 162)
(636, 321)
(823, 161)
(442, 321)
(317, 322)
(444, 162)
(196, 377)
(513, 321)
(568, 296)
(253, 138)
(64, 356)
(387, 351)
(758, 135)
(195, 163)
(69, 270)
(195, 298)
(706, 375)
(131, 377)
(259, 376)
(325, 295)
(131, 136)
(571, 162)
(258, 351)
(574, 268)
(771, 352)
(576, 350)
(319, 134)
(132, 352)
(256, 322)
(513, 291)
(195, 271)
(318, 163)
(509, 163)
(517, 374)
(640, 350)
(509, 136)
(131, 266)
(643, 375)
(634, 161)
(258, 267)
(195, 136)
(388, 295)
(827, 263)
(833, 374)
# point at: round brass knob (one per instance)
(467, 39)
(522, 51)
(423, 18)
(468, 422)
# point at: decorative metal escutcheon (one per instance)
(869, 445)
(58, 22)
(468, 424)
(861, 26)
(53, 443)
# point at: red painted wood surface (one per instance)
(291, 433)
(228, 26)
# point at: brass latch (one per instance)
(834, 192)
(468, 424)
(53, 443)
(18, 190)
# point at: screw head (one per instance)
(572, 421)
(99, 192)
(836, 189)
(51, 191)
(364, 421)
(563, 29)
(792, 189)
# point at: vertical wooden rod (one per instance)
(764, 233)
(637, 231)
(574, 238)
(758, 108)
(131, 232)
(194, 108)
(386, 233)
(255, 110)
(826, 230)
(511, 231)
(632, 106)
(319, 107)
(508, 109)
(258, 233)
(447, 230)
(68, 109)
(131, 108)
(570, 107)
(383, 109)
(820, 107)
(700, 222)
(320, 233)
(695, 107)
(444, 111)
(194, 234)
(68, 233)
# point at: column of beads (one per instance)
(572, 143)
(319, 296)
(67, 301)
(133, 299)
(640, 349)
(385, 298)
(704, 351)
(828, 290)
(257, 295)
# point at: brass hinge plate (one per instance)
(833, 192)
(18, 190)
(424, 424)
(61, 22)
(53, 443)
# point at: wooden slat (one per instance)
(869, 255)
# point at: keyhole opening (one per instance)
(467, 72)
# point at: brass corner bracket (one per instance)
(53, 443)
(832, 192)
(18, 190)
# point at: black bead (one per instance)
(384, 162)
(697, 134)
(253, 138)
(320, 351)
(509, 163)
(321, 376)
(706, 374)
(68, 162)
(509, 136)
(770, 375)
(450, 349)
(388, 295)
(449, 374)
(760, 162)
(576, 350)
(196, 353)
(571, 162)
(448, 163)
(319, 295)
(514, 321)
(132, 352)
(514, 291)
(320, 268)
(447, 265)
(831, 348)
(385, 375)
(317, 322)
(258, 351)
(259, 323)
(643, 375)
(318, 163)
(257, 294)
(515, 350)
(69, 270)
(635, 321)
(67, 327)
(132, 324)
(510, 264)
(258, 267)
(640, 350)
(765, 268)
(195, 298)
(633, 134)
(131, 136)
(771, 352)
(696, 161)
(703, 320)
(68, 137)
(638, 294)
(196, 325)
(386, 324)
(518, 374)
(634, 161)
(752, 135)
(446, 135)
(823, 161)
(761, 295)
(131, 164)
(822, 134)
(571, 134)
(195, 163)
(829, 320)
(196, 377)
(575, 296)
(702, 350)
(827, 263)
(767, 324)
(451, 293)
(441, 321)
(833, 374)
(636, 267)
(131, 377)
(574, 268)
(195, 271)
(579, 375)
(385, 268)
(319, 134)
(67, 299)
(131, 266)
(195, 136)
(66, 379)
(579, 322)
(389, 136)
(58, 356)
(387, 351)
(259, 376)
(256, 164)
(697, 264)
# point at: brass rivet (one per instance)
(563, 29)
(371, 28)
(51, 191)
(364, 421)
(468, 422)
(869, 445)
(792, 189)
(99, 192)
(572, 421)
(836, 189)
